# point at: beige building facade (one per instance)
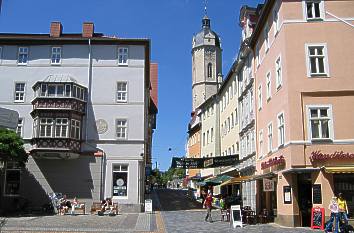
(303, 56)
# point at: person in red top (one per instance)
(208, 204)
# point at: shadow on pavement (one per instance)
(173, 200)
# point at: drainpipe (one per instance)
(89, 83)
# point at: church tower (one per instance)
(206, 64)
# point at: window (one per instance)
(207, 140)
(222, 130)
(236, 117)
(316, 60)
(210, 70)
(56, 55)
(275, 21)
(122, 91)
(211, 135)
(46, 127)
(123, 56)
(231, 92)
(320, 120)
(122, 127)
(12, 179)
(0, 53)
(266, 38)
(270, 137)
(19, 92)
(258, 62)
(22, 56)
(232, 120)
(261, 144)
(75, 129)
(19, 129)
(61, 128)
(259, 97)
(120, 180)
(314, 9)
(278, 74)
(281, 130)
(269, 86)
(67, 90)
(228, 124)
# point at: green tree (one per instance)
(11, 147)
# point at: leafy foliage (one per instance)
(11, 147)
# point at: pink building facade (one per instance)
(304, 99)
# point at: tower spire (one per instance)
(205, 7)
(206, 20)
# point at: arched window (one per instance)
(210, 70)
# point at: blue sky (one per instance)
(170, 24)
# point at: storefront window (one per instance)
(343, 183)
(120, 180)
(12, 179)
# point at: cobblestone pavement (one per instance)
(82, 223)
(190, 217)
(174, 213)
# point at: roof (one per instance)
(60, 78)
(206, 32)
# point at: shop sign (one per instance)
(273, 162)
(191, 163)
(268, 185)
(319, 156)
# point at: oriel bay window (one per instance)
(61, 90)
(120, 180)
(56, 128)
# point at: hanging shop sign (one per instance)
(273, 162)
(268, 185)
(191, 163)
(319, 156)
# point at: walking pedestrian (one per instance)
(333, 207)
(208, 204)
(343, 209)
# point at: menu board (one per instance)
(316, 194)
(287, 194)
(317, 218)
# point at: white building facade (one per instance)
(85, 109)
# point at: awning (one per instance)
(349, 169)
(300, 170)
(236, 180)
(217, 180)
(267, 175)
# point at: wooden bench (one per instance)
(97, 206)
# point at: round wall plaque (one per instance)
(101, 126)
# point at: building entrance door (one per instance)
(305, 198)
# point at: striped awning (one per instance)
(348, 169)
(236, 180)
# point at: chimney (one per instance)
(87, 29)
(55, 29)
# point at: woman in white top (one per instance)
(333, 207)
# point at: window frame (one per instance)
(260, 98)
(19, 53)
(325, 60)
(270, 137)
(261, 141)
(127, 181)
(278, 66)
(210, 70)
(321, 10)
(21, 125)
(61, 125)
(266, 38)
(330, 121)
(124, 55)
(16, 168)
(279, 126)
(269, 85)
(124, 127)
(56, 54)
(45, 125)
(122, 92)
(75, 128)
(20, 92)
(276, 26)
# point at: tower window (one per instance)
(210, 70)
